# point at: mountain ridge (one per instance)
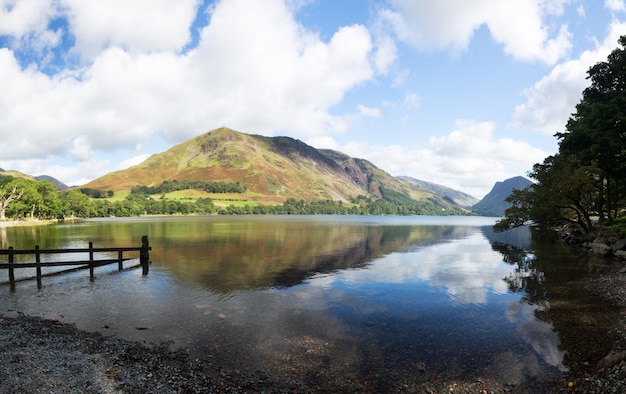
(494, 204)
(459, 197)
(273, 169)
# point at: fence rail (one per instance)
(91, 263)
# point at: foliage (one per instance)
(24, 198)
(210, 187)
(96, 193)
(587, 177)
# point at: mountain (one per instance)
(16, 174)
(458, 197)
(272, 169)
(493, 203)
(60, 185)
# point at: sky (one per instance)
(455, 92)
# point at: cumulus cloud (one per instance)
(23, 18)
(138, 25)
(81, 151)
(386, 54)
(266, 69)
(518, 25)
(551, 101)
(255, 68)
(615, 5)
(469, 158)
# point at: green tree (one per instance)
(588, 175)
(596, 132)
(30, 198)
(49, 206)
(77, 204)
(9, 193)
(564, 191)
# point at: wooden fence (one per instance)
(91, 262)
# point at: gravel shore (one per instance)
(47, 356)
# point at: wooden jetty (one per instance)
(91, 262)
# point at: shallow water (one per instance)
(317, 296)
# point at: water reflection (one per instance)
(539, 334)
(565, 322)
(307, 296)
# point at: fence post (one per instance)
(11, 272)
(144, 255)
(120, 261)
(38, 262)
(91, 277)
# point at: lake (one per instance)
(313, 297)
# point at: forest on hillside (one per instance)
(586, 180)
(22, 198)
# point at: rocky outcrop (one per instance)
(607, 244)
(603, 241)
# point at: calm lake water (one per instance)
(358, 297)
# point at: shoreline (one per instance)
(24, 223)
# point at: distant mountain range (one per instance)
(274, 169)
(460, 198)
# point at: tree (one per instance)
(77, 204)
(588, 176)
(596, 133)
(8, 194)
(26, 204)
(50, 204)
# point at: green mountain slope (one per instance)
(272, 169)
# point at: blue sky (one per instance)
(455, 92)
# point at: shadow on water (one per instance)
(552, 278)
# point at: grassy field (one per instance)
(221, 200)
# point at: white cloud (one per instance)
(615, 5)
(133, 161)
(20, 18)
(138, 25)
(386, 54)
(517, 24)
(552, 100)
(411, 100)
(68, 173)
(469, 158)
(263, 71)
(81, 151)
(367, 111)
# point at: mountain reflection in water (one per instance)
(358, 297)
